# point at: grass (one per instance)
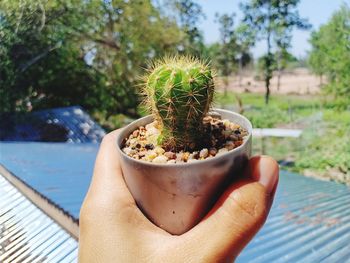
(281, 109)
(323, 149)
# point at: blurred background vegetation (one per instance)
(91, 53)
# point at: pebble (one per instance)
(170, 155)
(149, 146)
(207, 119)
(138, 146)
(213, 151)
(127, 150)
(237, 131)
(229, 145)
(133, 141)
(226, 122)
(159, 150)
(160, 159)
(150, 155)
(185, 156)
(222, 151)
(238, 143)
(179, 156)
(234, 126)
(142, 153)
(195, 155)
(203, 153)
(226, 133)
(135, 133)
(233, 137)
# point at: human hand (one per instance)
(113, 229)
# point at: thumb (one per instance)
(239, 213)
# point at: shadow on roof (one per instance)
(69, 124)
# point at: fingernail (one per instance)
(266, 172)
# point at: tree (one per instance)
(189, 14)
(282, 59)
(316, 57)
(282, 40)
(227, 60)
(330, 54)
(268, 19)
(122, 47)
(51, 55)
(245, 39)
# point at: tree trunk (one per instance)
(268, 72)
(279, 70)
(268, 61)
(240, 71)
(267, 94)
(225, 85)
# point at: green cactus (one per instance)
(179, 92)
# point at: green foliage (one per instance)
(52, 55)
(281, 109)
(324, 147)
(272, 20)
(179, 91)
(226, 59)
(262, 64)
(267, 117)
(330, 54)
(330, 148)
(189, 14)
(231, 55)
(245, 39)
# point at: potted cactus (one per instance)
(178, 160)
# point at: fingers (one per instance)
(109, 203)
(265, 170)
(239, 213)
(107, 185)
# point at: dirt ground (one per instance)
(298, 81)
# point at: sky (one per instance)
(318, 12)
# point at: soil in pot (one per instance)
(222, 136)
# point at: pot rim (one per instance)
(190, 164)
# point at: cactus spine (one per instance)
(179, 92)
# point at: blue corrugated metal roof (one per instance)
(27, 234)
(69, 124)
(309, 221)
(59, 171)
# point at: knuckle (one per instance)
(87, 211)
(251, 200)
(111, 135)
(106, 138)
(91, 210)
(101, 209)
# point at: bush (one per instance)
(266, 117)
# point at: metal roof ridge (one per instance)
(51, 209)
